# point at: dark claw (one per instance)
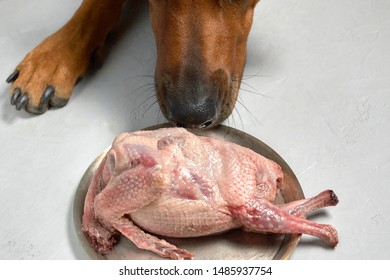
(13, 76)
(47, 95)
(15, 96)
(22, 102)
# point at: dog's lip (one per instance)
(206, 125)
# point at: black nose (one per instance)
(193, 97)
(193, 112)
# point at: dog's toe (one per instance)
(15, 96)
(21, 102)
(11, 78)
(58, 101)
(47, 95)
(18, 99)
(48, 99)
(44, 102)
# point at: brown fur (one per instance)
(200, 44)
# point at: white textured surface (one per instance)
(323, 71)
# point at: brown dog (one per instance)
(201, 50)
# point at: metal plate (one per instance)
(235, 244)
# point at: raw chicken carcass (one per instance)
(173, 183)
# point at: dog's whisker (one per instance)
(147, 90)
(247, 77)
(232, 119)
(247, 110)
(150, 106)
(145, 101)
(152, 96)
(140, 76)
(257, 74)
(141, 87)
(160, 116)
(227, 121)
(240, 118)
(241, 103)
(256, 91)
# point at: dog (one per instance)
(201, 52)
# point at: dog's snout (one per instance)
(194, 100)
(201, 48)
(193, 113)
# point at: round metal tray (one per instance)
(235, 244)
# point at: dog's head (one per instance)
(201, 50)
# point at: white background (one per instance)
(322, 70)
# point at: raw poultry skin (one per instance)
(172, 183)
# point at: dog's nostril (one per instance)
(206, 124)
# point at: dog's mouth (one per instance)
(196, 101)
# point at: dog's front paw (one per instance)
(47, 75)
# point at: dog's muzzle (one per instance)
(193, 112)
(194, 100)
